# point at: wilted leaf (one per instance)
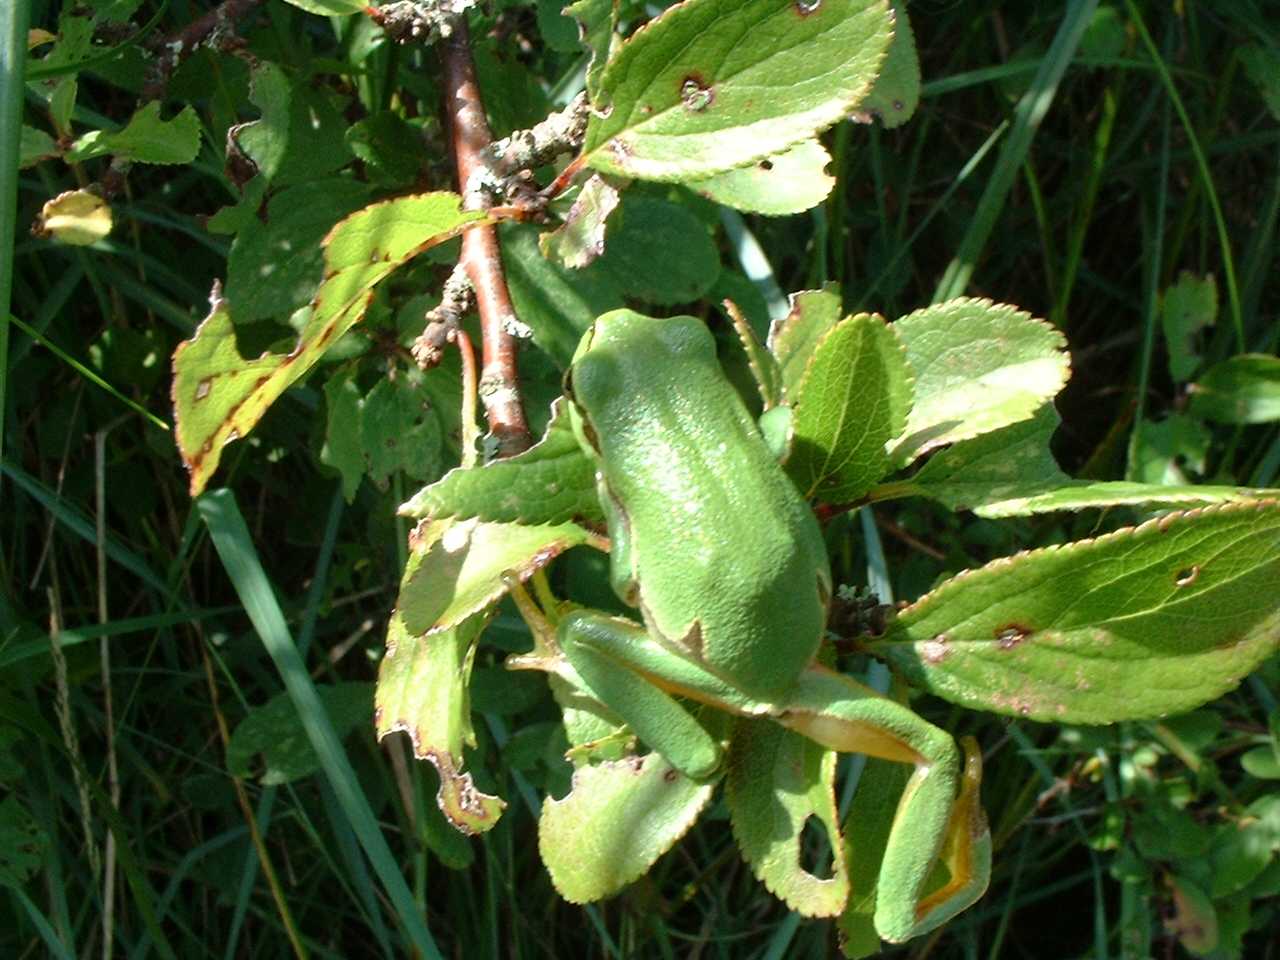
(1243, 389)
(1141, 623)
(580, 239)
(78, 218)
(218, 396)
(785, 183)
(777, 781)
(456, 567)
(1194, 920)
(896, 94)
(978, 366)
(619, 818)
(276, 731)
(422, 690)
(853, 400)
(551, 482)
(145, 139)
(711, 85)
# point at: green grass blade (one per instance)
(235, 549)
(50, 937)
(1202, 166)
(13, 53)
(1028, 114)
(74, 519)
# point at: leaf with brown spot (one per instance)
(219, 396)
(1136, 624)
(711, 85)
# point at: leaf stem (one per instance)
(481, 254)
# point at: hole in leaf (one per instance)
(1009, 637)
(806, 7)
(696, 93)
(766, 164)
(1187, 577)
(816, 857)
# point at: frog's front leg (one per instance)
(939, 817)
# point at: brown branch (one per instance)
(481, 255)
(217, 27)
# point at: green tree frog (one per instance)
(714, 546)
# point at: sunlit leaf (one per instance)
(978, 366)
(619, 818)
(711, 85)
(219, 396)
(793, 338)
(551, 482)
(854, 398)
(456, 567)
(77, 217)
(788, 182)
(777, 781)
(145, 139)
(1141, 623)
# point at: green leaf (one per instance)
(551, 482)
(1194, 921)
(400, 431)
(794, 338)
(342, 449)
(275, 267)
(301, 134)
(778, 780)
(1243, 389)
(853, 400)
(390, 147)
(558, 30)
(659, 252)
(1012, 472)
(219, 396)
(711, 85)
(1189, 306)
(559, 305)
(597, 26)
(788, 182)
(1166, 449)
(145, 139)
(618, 819)
(22, 843)
(978, 366)
(329, 8)
(422, 691)
(1262, 65)
(1141, 623)
(580, 239)
(896, 93)
(276, 731)
(1241, 850)
(456, 568)
(1261, 762)
(36, 145)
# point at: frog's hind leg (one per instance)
(623, 668)
(938, 818)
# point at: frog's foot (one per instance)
(938, 819)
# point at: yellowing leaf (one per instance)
(77, 217)
(218, 396)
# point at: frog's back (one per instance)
(716, 527)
